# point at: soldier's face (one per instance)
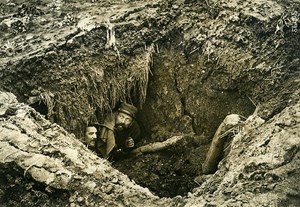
(123, 121)
(91, 135)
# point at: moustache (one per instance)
(119, 127)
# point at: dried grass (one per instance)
(99, 85)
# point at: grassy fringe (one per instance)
(99, 86)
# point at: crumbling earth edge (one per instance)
(261, 169)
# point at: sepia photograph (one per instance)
(149, 103)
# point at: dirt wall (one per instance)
(189, 95)
(46, 164)
(203, 60)
(209, 59)
(41, 162)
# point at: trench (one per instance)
(180, 99)
(185, 94)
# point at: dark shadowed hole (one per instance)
(40, 107)
(169, 172)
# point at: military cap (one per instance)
(128, 109)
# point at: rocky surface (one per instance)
(204, 60)
(262, 168)
(43, 165)
(186, 64)
(46, 166)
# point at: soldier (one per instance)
(90, 136)
(119, 133)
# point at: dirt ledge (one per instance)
(47, 155)
(253, 52)
(262, 168)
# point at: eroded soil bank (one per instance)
(186, 64)
(47, 165)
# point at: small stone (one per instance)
(80, 199)
(175, 6)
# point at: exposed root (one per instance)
(30, 166)
(157, 146)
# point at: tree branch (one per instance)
(157, 146)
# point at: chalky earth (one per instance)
(185, 64)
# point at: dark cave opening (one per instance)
(40, 107)
(169, 172)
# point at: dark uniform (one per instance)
(121, 137)
(112, 143)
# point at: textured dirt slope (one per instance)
(29, 27)
(263, 167)
(62, 57)
(250, 47)
(40, 161)
(56, 52)
(261, 170)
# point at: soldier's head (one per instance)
(125, 116)
(91, 135)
